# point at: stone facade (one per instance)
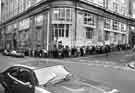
(72, 23)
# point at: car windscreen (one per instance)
(53, 74)
(44, 75)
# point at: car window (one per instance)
(13, 72)
(25, 76)
(53, 74)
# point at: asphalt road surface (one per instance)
(107, 70)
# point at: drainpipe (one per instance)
(75, 2)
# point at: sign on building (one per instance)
(24, 24)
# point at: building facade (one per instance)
(43, 23)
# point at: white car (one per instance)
(131, 65)
(40, 77)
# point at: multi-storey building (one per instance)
(43, 23)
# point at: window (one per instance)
(107, 23)
(123, 27)
(89, 19)
(27, 4)
(89, 33)
(123, 38)
(67, 30)
(23, 35)
(61, 30)
(99, 2)
(39, 19)
(38, 33)
(107, 34)
(13, 71)
(115, 25)
(69, 14)
(115, 6)
(62, 14)
(115, 37)
(21, 6)
(25, 76)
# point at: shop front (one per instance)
(9, 37)
(38, 31)
(23, 34)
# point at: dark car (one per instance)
(35, 77)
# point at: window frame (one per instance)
(61, 30)
(107, 23)
(89, 33)
(89, 19)
(62, 14)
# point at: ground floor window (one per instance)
(23, 38)
(123, 38)
(38, 34)
(61, 30)
(115, 37)
(107, 35)
(89, 33)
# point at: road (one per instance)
(109, 70)
(118, 58)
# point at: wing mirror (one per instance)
(28, 84)
(68, 77)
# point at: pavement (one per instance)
(110, 70)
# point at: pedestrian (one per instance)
(55, 52)
(82, 51)
(106, 50)
(66, 51)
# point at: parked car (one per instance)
(6, 52)
(131, 65)
(13, 53)
(38, 77)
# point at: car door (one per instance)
(8, 82)
(26, 85)
(15, 85)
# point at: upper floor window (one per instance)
(27, 4)
(123, 27)
(115, 25)
(115, 6)
(107, 23)
(99, 2)
(39, 19)
(89, 19)
(62, 14)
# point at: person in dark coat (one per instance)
(55, 52)
(82, 51)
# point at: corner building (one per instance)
(43, 23)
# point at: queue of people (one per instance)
(62, 52)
